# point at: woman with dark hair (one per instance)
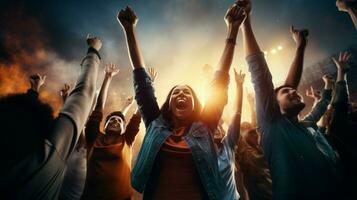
(178, 159)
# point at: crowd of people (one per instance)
(186, 153)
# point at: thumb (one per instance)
(335, 61)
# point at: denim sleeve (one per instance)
(233, 132)
(216, 100)
(320, 108)
(266, 104)
(145, 96)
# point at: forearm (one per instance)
(320, 108)
(239, 98)
(126, 109)
(249, 42)
(341, 76)
(217, 97)
(103, 93)
(295, 72)
(234, 128)
(227, 55)
(135, 54)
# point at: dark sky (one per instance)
(67, 21)
(177, 36)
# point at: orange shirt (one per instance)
(174, 175)
(109, 163)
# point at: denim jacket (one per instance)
(199, 137)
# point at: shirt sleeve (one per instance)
(266, 104)
(93, 128)
(75, 110)
(216, 100)
(320, 108)
(339, 119)
(132, 129)
(145, 96)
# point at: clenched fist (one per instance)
(235, 16)
(94, 42)
(299, 36)
(127, 18)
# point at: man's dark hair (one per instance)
(115, 113)
(276, 90)
(167, 114)
(25, 123)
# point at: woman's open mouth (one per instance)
(181, 103)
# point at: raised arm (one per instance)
(314, 94)
(321, 106)
(340, 99)
(110, 71)
(129, 101)
(266, 105)
(217, 97)
(234, 128)
(295, 72)
(128, 20)
(64, 92)
(253, 113)
(75, 110)
(132, 129)
(36, 82)
(349, 6)
(144, 91)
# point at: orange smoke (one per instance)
(25, 43)
(14, 80)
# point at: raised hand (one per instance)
(111, 69)
(152, 73)
(127, 104)
(65, 91)
(299, 36)
(235, 16)
(37, 81)
(239, 77)
(345, 5)
(329, 81)
(127, 18)
(246, 5)
(94, 42)
(314, 94)
(128, 101)
(342, 62)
